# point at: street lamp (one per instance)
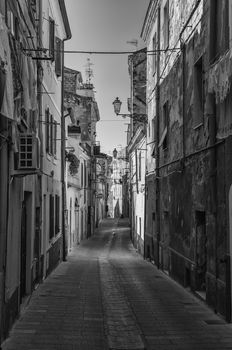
(117, 107)
(142, 118)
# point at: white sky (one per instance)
(106, 25)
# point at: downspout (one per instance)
(63, 183)
(145, 201)
(40, 131)
(183, 49)
(157, 184)
(62, 124)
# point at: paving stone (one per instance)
(106, 297)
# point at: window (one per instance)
(198, 88)
(58, 57)
(166, 25)
(140, 226)
(219, 28)
(85, 182)
(153, 135)
(154, 54)
(51, 216)
(140, 166)
(50, 133)
(164, 125)
(57, 214)
(2, 8)
(82, 176)
(54, 137)
(51, 126)
(12, 23)
(47, 116)
(51, 38)
(32, 10)
(153, 129)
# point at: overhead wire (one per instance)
(150, 52)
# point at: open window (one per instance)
(164, 125)
(198, 88)
(51, 39)
(166, 25)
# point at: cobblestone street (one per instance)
(107, 297)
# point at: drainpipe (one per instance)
(145, 201)
(40, 131)
(157, 184)
(183, 49)
(63, 183)
(62, 124)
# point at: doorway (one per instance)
(23, 256)
(230, 245)
(201, 253)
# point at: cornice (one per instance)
(149, 19)
(65, 19)
(137, 137)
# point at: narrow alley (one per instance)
(106, 296)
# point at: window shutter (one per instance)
(51, 133)
(47, 120)
(51, 226)
(58, 57)
(57, 217)
(54, 136)
(51, 38)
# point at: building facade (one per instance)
(81, 140)
(116, 186)
(136, 146)
(30, 114)
(188, 230)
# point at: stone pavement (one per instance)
(107, 297)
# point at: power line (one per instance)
(101, 52)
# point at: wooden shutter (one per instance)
(58, 57)
(57, 217)
(51, 38)
(54, 137)
(51, 224)
(47, 120)
(51, 134)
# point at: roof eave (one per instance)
(65, 19)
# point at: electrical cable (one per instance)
(150, 52)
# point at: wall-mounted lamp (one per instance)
(142, 118)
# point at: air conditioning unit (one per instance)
(27, 160)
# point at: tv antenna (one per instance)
(89, 71)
